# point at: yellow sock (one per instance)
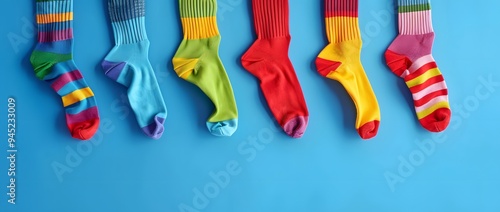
(341, 61)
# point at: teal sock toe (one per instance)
(223, 128)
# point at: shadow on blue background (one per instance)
(258, 168)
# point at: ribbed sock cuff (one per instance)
(342, 20)
(127, 17)
(413, 5)
(346, 8)
(271, 18)
(414, 17)
(198, 18)
(54, 19)
(197, 8)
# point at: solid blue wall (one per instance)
(404, 168)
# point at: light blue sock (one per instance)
(128, 64)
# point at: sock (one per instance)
(128, 64)
(267, 59)
(197, 61)
(53, 62)
(410, 57)
(341, 61)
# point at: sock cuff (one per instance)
(413, 5)
(54, 19)
(122, 10)
(198, 18)
(271, 18)
(414, 17)
(341, 18)
(197, 8)
(128, 20)
(54, 7)
(344, 8)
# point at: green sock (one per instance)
(197, 61)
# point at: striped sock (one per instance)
(197, 61)
(128, 64)
(341, 61)
(53, 62)
(410, 57)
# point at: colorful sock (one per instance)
(197, 61)
(341, 61)
(410, 57)
(53, 62)
(267, 59)
(128, 64)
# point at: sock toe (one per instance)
(155, 130)
(437, 121)
(84, 130)
(223, 128)
(369, 130)
(296, 126)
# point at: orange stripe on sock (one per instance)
(51, 18)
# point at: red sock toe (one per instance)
(437, 121)
(84, 130)
(369, 130)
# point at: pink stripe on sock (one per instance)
(85, 115)
(421, 62)
(415, 23)
(435, 87)
(417, 64)
(66, 78)
(431, 103)
(405, 74)
(55, 35)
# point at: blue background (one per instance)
(329, 169)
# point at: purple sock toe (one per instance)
(296, 126)
(155, 129)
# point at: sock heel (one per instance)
(397, 63)
(184, 67)
(253, 60)
(41, 69)
(43, 62)
(113, 69)
(249, 62)
(325, 67)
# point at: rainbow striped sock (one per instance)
(197, 61)
(53, 62)
(128, 64)
(410, 57)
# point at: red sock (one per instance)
(268, 60)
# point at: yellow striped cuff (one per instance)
(199, 28)
(341, 29)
